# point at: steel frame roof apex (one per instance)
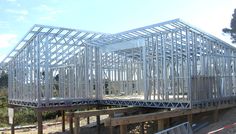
(154, 29)
(57, 34)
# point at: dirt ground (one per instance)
(226, 122)
(54, 129)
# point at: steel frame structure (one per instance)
(165, 65)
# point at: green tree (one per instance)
(3, 80)
(232, 29)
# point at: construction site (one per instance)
(162, 78)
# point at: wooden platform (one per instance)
(162, 116)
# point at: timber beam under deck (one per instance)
(160, 115)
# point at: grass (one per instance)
(23, 116)
(3, 108)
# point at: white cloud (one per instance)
(7, 40)
(17, 12)
(20, 14)
(18, 5)
(11, 0)
(49, 13)
(47, 18)
(44, 8)
(4, 25)
(21, 18)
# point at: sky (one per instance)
(110, 16)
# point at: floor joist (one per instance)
(83, 114)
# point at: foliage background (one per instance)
(23, 116)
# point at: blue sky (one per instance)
(18, 16)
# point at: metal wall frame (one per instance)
(165, 65)
(53, 66)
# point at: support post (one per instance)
(71, 124)
(141, 125)
(110, 127)
(77, 125)
(11, 113)
(141, 128)
(167, 122)
(40, 122)
(12, 127)
(123, 129)
(98, 121)
(160, 125)
(190, 119)
(88, 120)
(98, 124)
(216, 115)
(63, 121)
(155, 126)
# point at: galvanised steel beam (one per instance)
(165, 65)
